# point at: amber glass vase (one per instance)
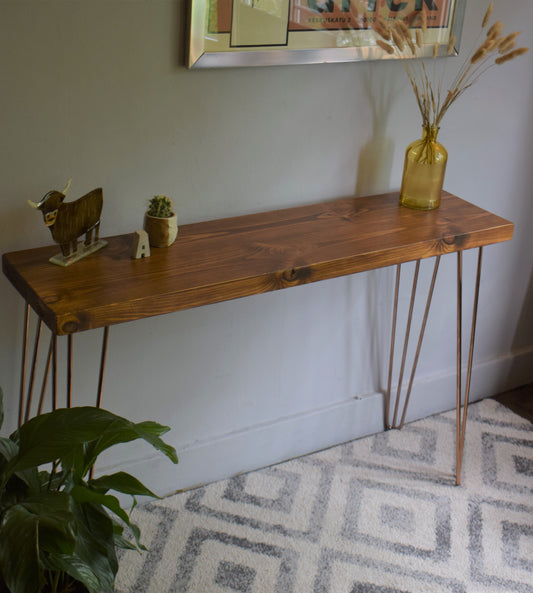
(423, 171)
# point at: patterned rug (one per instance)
(376, 515)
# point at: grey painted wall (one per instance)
(96, 90)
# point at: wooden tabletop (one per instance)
(230, 258)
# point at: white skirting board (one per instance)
(269, 443)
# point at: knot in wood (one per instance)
(453, 243)
(70, 327)
(296, 275)
(51, 299)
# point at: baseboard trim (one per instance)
(268, 443)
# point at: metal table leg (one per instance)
(23, 369)
(51, 364)
(102, 367)
(462, 406)
(397, 396)
(462, 413)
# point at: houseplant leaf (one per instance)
(122, 542)
(75, 568)
(41, 523)
(95, 543)
(54, 435)
(124, 431)
(121, 482)
(55, 527)
(51, 436)
(31, 478)
(8, 450)
(18, 539)
(82, 494)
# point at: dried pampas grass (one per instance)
(433, 102)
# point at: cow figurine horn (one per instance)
(67, 187)
(37, 205)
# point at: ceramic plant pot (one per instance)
(162, 232)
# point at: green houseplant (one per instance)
(161, 222)
(59, 528)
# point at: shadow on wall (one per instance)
(520, 371)
(375, 159)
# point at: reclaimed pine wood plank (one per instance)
(235, 257)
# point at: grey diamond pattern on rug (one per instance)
(377, 515)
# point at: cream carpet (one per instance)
(376, 515)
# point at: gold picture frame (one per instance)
(230, 33)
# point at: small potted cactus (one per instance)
(160, 222)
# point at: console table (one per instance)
(236, 257)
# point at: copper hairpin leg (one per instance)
(23, 369)
(102, 367)
(393, 339)
(32, 372)
(69, 372)
(461, 416)
(26, 399)
(45, 376)
(101, 378)
(388, 398)
(54, 372)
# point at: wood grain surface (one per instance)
(235, 257)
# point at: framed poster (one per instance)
(269, 32)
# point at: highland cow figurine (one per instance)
(67, 221)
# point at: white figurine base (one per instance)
(82, 251)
